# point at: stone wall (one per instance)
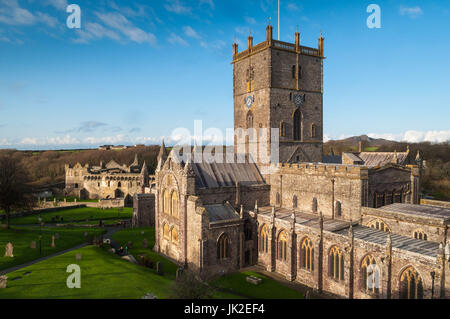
(391, 262)
(401, 224)
(432, 202)
(308, 182)
(143, 210)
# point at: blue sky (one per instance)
(137, 70)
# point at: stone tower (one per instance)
(279, 85)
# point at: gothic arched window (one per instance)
(307, 255)
(314, 205)
(264, 239)
(249, 120)
(174, 235)
(166, 202)
(370, 275)
(338, 209)
(278, 199)
(297, 125)
(420, 234)
(282, 129)
(223, 247)
(294, 201)
(282, 245)
(174, 206)
(379, 224)
(336, 263)
(313, 130)
(119, 184)
(166, 231)
(411, 285)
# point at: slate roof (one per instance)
(419, 210)
(332, 159)
(221, 212)
(306, 219)
(214, 175)
(372, 235)
(382, 158)
(367, 234)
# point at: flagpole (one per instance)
(279, 20)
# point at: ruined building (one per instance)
(107, 181)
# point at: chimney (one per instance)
(250, 42)
(269, 34)
(235, 49)
(321, 45)
(360, 148)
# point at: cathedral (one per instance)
(352, 227)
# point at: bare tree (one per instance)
(15, 190)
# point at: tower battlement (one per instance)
(275, 44)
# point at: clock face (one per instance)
(298, 100)
(249, 101)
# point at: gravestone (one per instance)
(53, 241)
(308, 294)
(254, 280)
(33, 245)
(9, 250)
(78, 256)
(159, 268)
(145, 243)
(142, 232)
(179, 273)
(3, 282)
(85, 234)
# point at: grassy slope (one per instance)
(21, 238)
(103, 275)
(78, 214)
(268, 289)
(135, 236)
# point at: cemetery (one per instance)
(122, 267)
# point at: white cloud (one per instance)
(94, 31)
(118, 22)
(190, 32)
(58, 4)
(175, 39)
(415, 136)
(209, 2)
(412, 12)
(48, 20)
(250, 20)
(177, 7)
(11, 13)
(293, 7)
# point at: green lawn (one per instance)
(103, 276)
(77, 214)
(136, 237)
(21, 238)
(268, 289)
